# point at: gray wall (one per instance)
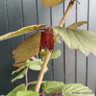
(71, 66)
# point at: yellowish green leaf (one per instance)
(21, 75)
(55, 54)
(35, 65)
(19, 69)
(50, 3)
(78, 24)
(27, 48)
(21, 31)
(58, 41)
(43, 52)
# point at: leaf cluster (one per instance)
(35, 65)
(53, 87)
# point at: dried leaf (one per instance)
(27, 48)
(50, 3)
(19, 64)
(21, 31)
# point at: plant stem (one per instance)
(41, 74)
(26, 78)
(66, 13)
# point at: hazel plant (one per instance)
(41, 43)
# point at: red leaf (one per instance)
(47, 39)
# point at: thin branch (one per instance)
(66, 13)
(41, 74)
(26, 78)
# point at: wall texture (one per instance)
(71, 66)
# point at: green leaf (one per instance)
(82, 40)
(27, 48)
(52, 86)
(35, 65)
(55, 54)
(21, 31)
(76, 90)
(50, 3)
(21, 87)
(32, 88)
(58, 41)
(27, 93)
(21, 75)
(77, 24)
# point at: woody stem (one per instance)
(41, 74)
(26, 78)
(64, 18)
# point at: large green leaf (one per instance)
(21, 31)
(76, 90)
(27, 48)
(77, 24)
(27, 93)
(21, 75)
(50, 3)
(82, 40)
(52, 86)
(18, 88)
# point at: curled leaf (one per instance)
(21, 31)
(21, 75)
(77, 24)
(19, 69)
(19, 64)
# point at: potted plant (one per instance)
(37, 50)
